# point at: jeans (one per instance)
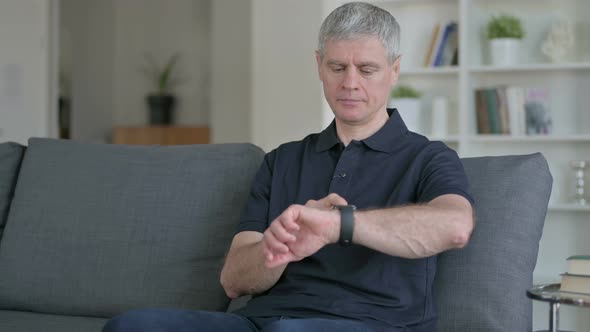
(174, 320)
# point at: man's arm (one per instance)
(244, 271)
(412, 231)
(416, 231)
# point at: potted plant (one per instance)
(504, 33)
(161, 101)
(406, 100)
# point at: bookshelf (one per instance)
(567, 225)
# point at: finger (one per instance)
(278, 260)
(268, 256)
(334, 199)
(272, 263)
(275, 246)
(289, 224)
(279, 231)
(311, 203)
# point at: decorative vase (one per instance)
(161, 109)
(559, 41)
(440, 116)
(579, 167)
(504, 51)
(410, 111)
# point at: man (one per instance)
(312, 261)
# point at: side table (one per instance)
(551, 293)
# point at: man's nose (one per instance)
(351, 80)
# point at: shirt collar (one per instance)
(380, 141)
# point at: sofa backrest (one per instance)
(483, 286)
(11, 155)
(95, 230)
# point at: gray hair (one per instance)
(358, 19)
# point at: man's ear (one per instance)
(318, 60)
(395, 70)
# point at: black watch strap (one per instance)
(346, 224)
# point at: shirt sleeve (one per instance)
(443, 174)
(255, 215)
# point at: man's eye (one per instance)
(337, 69)
(367, 71)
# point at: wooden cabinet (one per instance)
(161, 135)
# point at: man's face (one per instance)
(357, 78)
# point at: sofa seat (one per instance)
(33, 322)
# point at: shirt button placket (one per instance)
(341, 178)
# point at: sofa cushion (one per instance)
(483, 287)
(18, 321)
(10, 159)
(96, 229)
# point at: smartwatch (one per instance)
(346, 224)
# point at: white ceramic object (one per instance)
(504, 51)
(440, 116)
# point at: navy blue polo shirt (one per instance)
(393, 167)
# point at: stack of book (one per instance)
(577, 278)
(512, 110)
(444, 45)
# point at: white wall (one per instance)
(87, 32)
(287, 95)
(104, 45)
(231, 59)
(162, 28)
(25, 97)
(267, 95)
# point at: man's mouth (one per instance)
(349, 101)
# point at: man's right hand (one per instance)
(300, 231)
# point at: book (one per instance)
(579, 264)
(503, 110)
(575, 283)
(451, 46)
(481, 113)
(491, 100)
(433, 39)
(441, 29)
(516, 112)
(455, 59)
(442, 44)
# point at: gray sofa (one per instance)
(90, 231)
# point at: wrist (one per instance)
(336, 224)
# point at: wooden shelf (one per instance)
(410, 2)
(530, 139)
(161, 135)
(448, 70)
(530, 67)
(568, 207)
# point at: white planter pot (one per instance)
(504, 51)
(410, 111)
(440, 116)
